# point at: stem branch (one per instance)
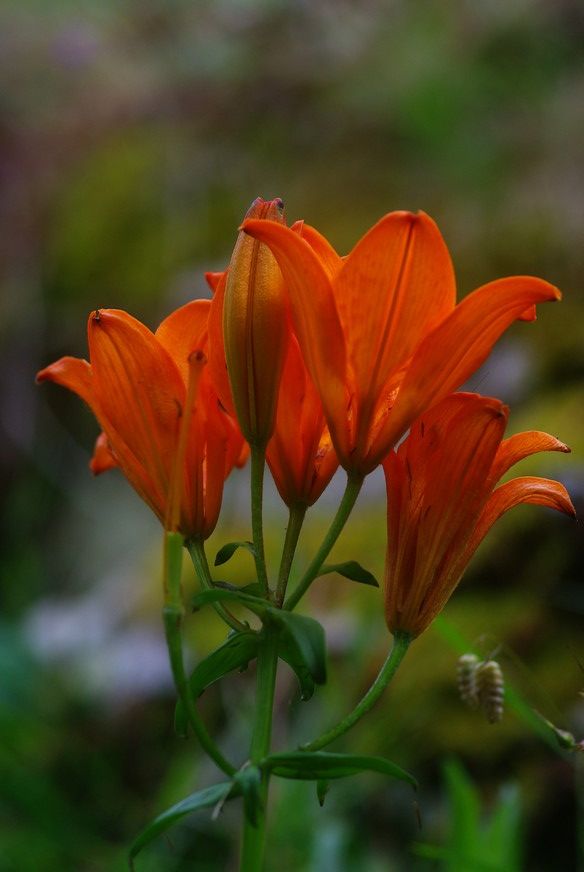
(295, 521)
(258, 463)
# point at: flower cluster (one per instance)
(319, 360)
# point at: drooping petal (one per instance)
(74, 374)
(140, 390)
(213, 279)
(456, 348)
(525, 489)
(103, 458)
(522, 445)
(316, 320)
(395, 286)
(185, 331)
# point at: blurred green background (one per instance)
(133, 136)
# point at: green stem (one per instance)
(173, 613)
(252, 851)
(354, 485)
(295, 521)
(196, 549)
(258, 464)
(401, 643)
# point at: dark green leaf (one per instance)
(288, 651)
(220, 594)
(322, 788)
(227, 551)
(249, 781)
(322, 766)
(307, 636)
(206, 798)
(351, 570)
(234, 653)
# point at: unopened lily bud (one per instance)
(491, 690)
(255, 328)
(466, 677)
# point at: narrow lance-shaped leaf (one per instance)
(206, 798)
(322, 765)
(234, 653)
(351, 570)
(227, 551)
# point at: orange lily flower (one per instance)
(161, 419)
(254, 325)
(380, 331)
(442, 500)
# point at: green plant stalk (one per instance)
(295, 521)
(254, 837)
(173, 613)
(354, 485)
(196, 548)
(258, 464)
(401, 643)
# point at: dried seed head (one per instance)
(466, 679)
(491, 690)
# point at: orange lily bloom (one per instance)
(442, 500)
(161, 419)
(380, 331)
(255, 330)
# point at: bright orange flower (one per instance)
(255, 330)
(161, 420)
(379, 330)
(442, 500)
(300, 453)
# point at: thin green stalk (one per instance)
(173, 613)
(253, 844)
(295, 521)
(354, 485)
(258, 465)
(401, 643)
(196, 549)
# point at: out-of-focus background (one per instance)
(133, 136)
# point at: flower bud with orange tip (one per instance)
(160, 416)
(442, 499)
(255, 329)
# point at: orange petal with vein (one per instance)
(523, 445)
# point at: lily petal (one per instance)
(522, 445)
(74, 374)
(185, 331)
(139, 388)
(396, 285)
(103, 458)
(448, 355)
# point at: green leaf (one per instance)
(323, 766)
(249, 781)
(304, 637)
(322, 788)
(227, 551)
(220, 594)
(206, 798)
(351, 570)
(235, 653)
(288, 652)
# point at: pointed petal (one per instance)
(315, 316)
(74, 374)
(102, 458)
(522, 445)
(395, 286)
(140, 390)
(457, 347)
(526, 489)
(185, 331)
(213, 279)
(330, 260)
